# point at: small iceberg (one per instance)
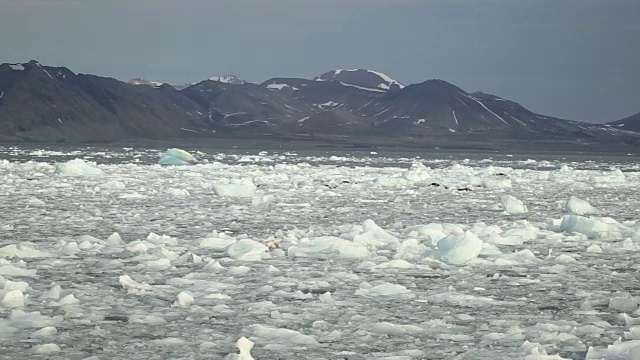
(175, 156)
(459, 249)
(579, 207)
(513, 205)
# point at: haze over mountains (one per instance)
(41, 103)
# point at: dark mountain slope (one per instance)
(360, 106)
(46, 103)
(630, 123)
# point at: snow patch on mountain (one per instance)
(359, 87)
(17, 67)
(143, 81)
(368, 79)
(389, 81)
(277, 86)
(228, 79)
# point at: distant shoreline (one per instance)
(357, 144)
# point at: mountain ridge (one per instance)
(41, 103)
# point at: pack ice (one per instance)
(325, 255)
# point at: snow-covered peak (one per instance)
(143, 81)
(228, 79)
(17, 67)
(362, 78)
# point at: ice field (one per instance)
(106, 254)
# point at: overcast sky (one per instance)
(575, 59)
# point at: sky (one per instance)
(573, 59)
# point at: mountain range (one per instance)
(340, 107)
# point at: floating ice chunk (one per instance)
(132, 195)
(395, 264)
(188, 258)
(434, 232)
(185, 299)
(147, 319)
(213, 265)
(169, 341)
(177, 192)
(12, 270)
(137, 247)
(594, 248)
(465, 300)
(375, 236)
(592, 227)
(614, 177)
(175, 156)
(245, 345)
(114, 240)
(627, 350)
(15, 285)
(34, 319)
(417, 173)
(498, 183)
(329, 246)
(565, 259)
(46, 348)
(282, 337)
(513, 205)
(218, 296)
(246, 250)
(263, 202)
(384, 289)
(22, 251)
(67, 300)
(45, 332)
(410, 249)
(241, 190)
(13, 299)
(113, 185)
(457, 250)
(534, 351)
(387, 328)
(239, 270)
(133, 286)
(216, 243)
(579, 207)
(53, 293)
(78, 167)
(159, 263)
(35, 201)
(623, 304)
(326, 297)
(632, 334)
(525, 256)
